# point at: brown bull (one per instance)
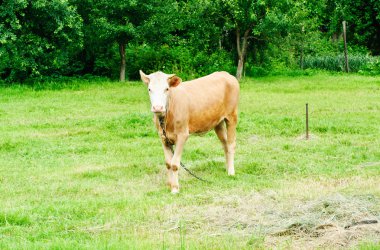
(191, 107)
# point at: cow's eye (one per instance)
(167, 89)
(149, 90)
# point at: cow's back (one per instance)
(205, 101)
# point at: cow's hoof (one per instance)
(175, 191)
(231, 173)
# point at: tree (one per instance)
(304, 21)
(244, 16)
(363, 20)
(126, 22)
(193, 37)
(38, 38)
(116, 21)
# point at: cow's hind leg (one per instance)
(221, 132)
(231, 122)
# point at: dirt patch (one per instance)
(302, 137)
(253, 139)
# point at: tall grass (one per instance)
(336, 63)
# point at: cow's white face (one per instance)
(158, 84)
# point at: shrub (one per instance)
(371, 68)
(256, 71)
(179, 60)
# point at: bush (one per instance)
(179, 60)
(371, 68)
(58, 82)
(256, 71)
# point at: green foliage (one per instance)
(113, 20)
(363, 18)
(38, 38)
(363, 21)
(371, 68)
(180, 60)
(244, 14)
(256, 71)
(41, 38)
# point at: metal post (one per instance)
(307, 121)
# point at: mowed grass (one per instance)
(82, 168)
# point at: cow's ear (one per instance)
(144, 77)
(174, 80)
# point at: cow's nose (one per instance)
(158, 108)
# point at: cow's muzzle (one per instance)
(158, 109)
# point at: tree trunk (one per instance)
(242, 51)
(240, 67)
(122, 61)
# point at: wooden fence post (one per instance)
(307, 121)
(302, 41)
(345, 47)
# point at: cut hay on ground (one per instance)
(333, 221)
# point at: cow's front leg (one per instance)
(168, 152)
(176, 161)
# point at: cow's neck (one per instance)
(162, 121)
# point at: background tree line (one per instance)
(116, 38)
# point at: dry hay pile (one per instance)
(334, 221)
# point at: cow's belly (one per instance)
(205, 124)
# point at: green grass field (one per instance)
(81, 167)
